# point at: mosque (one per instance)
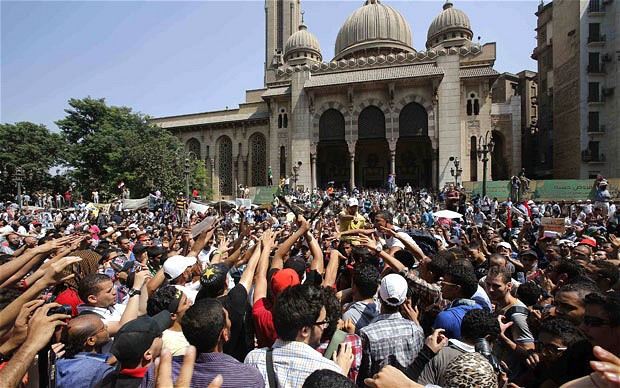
(379, 107)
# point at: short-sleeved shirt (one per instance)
(84, 370)
(263, 323)
(361, 314)
(357, 222)
(450, 319)
(174, 341)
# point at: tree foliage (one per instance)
(32, 147)
(109, 144)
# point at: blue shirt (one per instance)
(450, 319)
(84, 370)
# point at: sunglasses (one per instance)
(322, 323)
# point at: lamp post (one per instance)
(485, 146)
(296, 168)
(456, 171)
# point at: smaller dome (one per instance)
(450, 24)
(303, 43)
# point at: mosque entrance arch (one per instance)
(414, 148)
(372, 153)
(332, 150)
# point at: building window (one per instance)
(593, 92)
(473, 105)
(285, 120)
(593, 122)
(595, 6)
(593, 62)
(594, 30)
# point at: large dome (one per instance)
(450, 24)
(373, 29)
(304, 43)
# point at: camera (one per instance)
(62, 309)
(483, 347)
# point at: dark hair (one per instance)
(607, 270)
(438, 265)
(202, 324)
(405, 257)
(479, 323)
(296, 307)
(89, 285)
(529, 293)
(366, 279)
(568, 267)
(325, 378)
(386, 215)
(568, 333)
(610, 302)
(160, 300)
(501, 272)
(464, 277)
(74, 340)
(363, 255)
(582, 288)
(333, 311)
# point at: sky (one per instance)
(166, 58)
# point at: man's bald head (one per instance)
(84, 333)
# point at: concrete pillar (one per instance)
(351, 145)
(392, 146)
(313, 170)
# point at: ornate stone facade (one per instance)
(379, 108)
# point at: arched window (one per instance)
(413, 121)
(225, 165)
(473, 105)
(280, 121)
(331, 126)
(193, 146)
(285, 121)
(258, 159)
(371, 124)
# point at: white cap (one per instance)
(133, 227)
(393, 290)
(175, 266)
(352, 202)
(504, 244)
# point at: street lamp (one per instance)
(456, 171)
(485, 146)
(296, 168)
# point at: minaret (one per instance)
(282, 17)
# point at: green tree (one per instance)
(32, 147)
(107, 144)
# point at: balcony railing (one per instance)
(596, 129)
(596, 39)
(588, 157)
(595, 6)
(596, 69)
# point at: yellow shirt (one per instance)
(356, 223)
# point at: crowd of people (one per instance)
(379, 288)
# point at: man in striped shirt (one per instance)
(299, 318)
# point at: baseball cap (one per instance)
(133, 227)
(393, 290)
(352, 202)
(136, 336)
(504, 244)
(588, 241)
(283, 279)
(176, 265)
(297, 264)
